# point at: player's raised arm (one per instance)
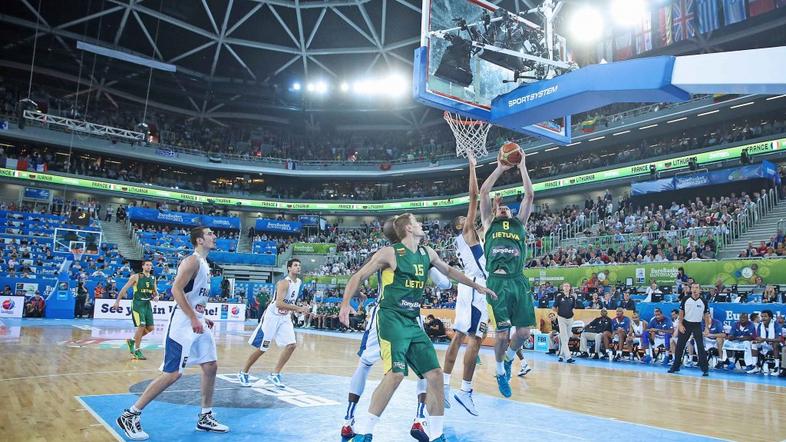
(472, 211)
(382, 259)
(122, 293)
(186, 271)
(486, 212)
(456, 274)
(525, 209)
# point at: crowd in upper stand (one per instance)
(46, 158)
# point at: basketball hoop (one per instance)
(77, 254)
(470, 135)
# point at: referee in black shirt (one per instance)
(693, 309)
(563, 307)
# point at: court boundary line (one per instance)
(99, 419)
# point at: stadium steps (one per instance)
(763, 230)
(244, 244)
(248, 273)
(117, 233)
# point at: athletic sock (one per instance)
(134, 410)
(421, 410)
(366, 424)
(350, 410)
(500, 368)
(435, 424)
(206, 410)
(509, 354)
(466, 386)
(446, 378)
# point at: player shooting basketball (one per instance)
(505, 250)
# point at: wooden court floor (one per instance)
(43, 368)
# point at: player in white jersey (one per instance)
(188, 341)
(277, 325)
(472, 315)
(370, 354)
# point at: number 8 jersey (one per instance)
(404, 292)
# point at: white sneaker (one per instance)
(464, 398)
(754, 370)
(525, 368)
(243, 378)
(209, 423)
(275, 379)
(131, 425)
(447, 395)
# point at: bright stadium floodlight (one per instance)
(628, 12)
(395, 85)
(586, 25)
(310, 87)
(344, 87)
(320, 87)
(296, 86)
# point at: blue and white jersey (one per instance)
(291, 297)
(197, 290)
(471, 258)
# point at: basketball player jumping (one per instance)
(145, 290)
(505, 250)
(471, 308)
(402, 340)
(189, 340)
(370, 353)
(277, 325)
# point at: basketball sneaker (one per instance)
(504, 386)
(447, 395)
(752, 369)
(508, 368)
(525, 368)
(209, 423)
(647, 359)
(243, 378)
(464, 398)
(418, 430)
(130, 424)
(361, 438)
(139, 356)
(346, 431)
(130, 343)
(275, 379)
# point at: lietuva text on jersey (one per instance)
(506, 235)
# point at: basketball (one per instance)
(510, 154)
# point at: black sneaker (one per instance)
(570, 360)
(560, 359)
(674, 370)
(131, 425)
(705, 373)
(595, 356)
(584, 355)
(783, 373)
(552, 352)
(209, 423)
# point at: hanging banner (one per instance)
(182, 218)
(274, 225)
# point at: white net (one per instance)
(470, 135)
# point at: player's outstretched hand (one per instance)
(343, 315)
(472, 161)
(488, 292)
(196, 325)
(502, 166)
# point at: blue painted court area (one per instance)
(312, 409)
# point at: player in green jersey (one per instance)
(505, 250)
(403, 343)
(145, 290)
